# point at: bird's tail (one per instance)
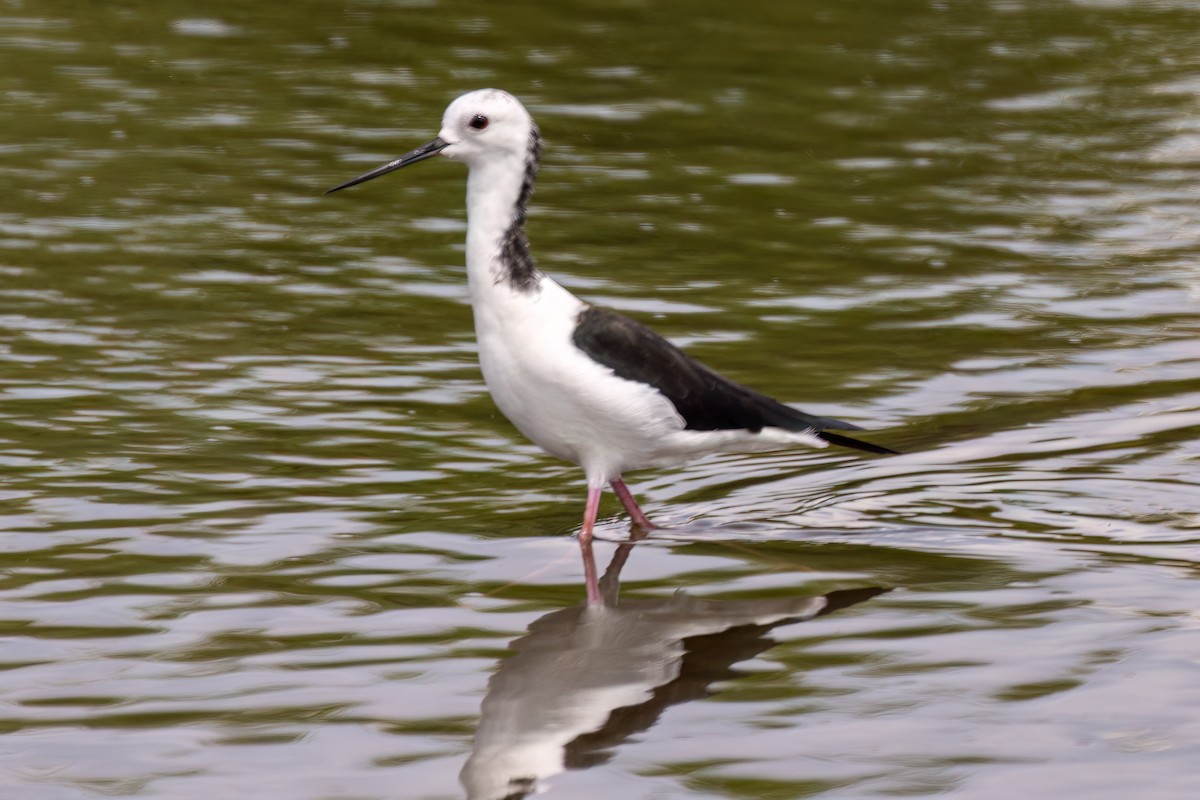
(846, 441)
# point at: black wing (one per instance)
(706, 401)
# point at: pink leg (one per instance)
(585, 546)
(626, 498)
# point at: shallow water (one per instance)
(263, 530)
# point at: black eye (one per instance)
(478, 122)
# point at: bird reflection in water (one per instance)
(586, 678)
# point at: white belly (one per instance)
(579, 410)
(564, 402)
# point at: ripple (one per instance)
(264, 526)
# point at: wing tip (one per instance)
(856, 444)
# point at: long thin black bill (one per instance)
(420, 154)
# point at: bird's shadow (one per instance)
(583, 679)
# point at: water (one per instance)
(263, 527)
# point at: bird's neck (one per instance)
(497, 249)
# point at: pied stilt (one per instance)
(584, 383)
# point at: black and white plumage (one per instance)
(585, 384)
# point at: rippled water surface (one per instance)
(264, 533)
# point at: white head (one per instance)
(481, 127)
(484, 125)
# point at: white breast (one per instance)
(557, 396)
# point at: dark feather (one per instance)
(706, 400)
(857, 444)
(516, 262)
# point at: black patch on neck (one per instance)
(706, 400)
(516, 262)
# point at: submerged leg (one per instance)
(626, 498)
(585, 546)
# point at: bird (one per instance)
(584, 383)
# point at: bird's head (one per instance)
(479, 128)
(485, 125)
